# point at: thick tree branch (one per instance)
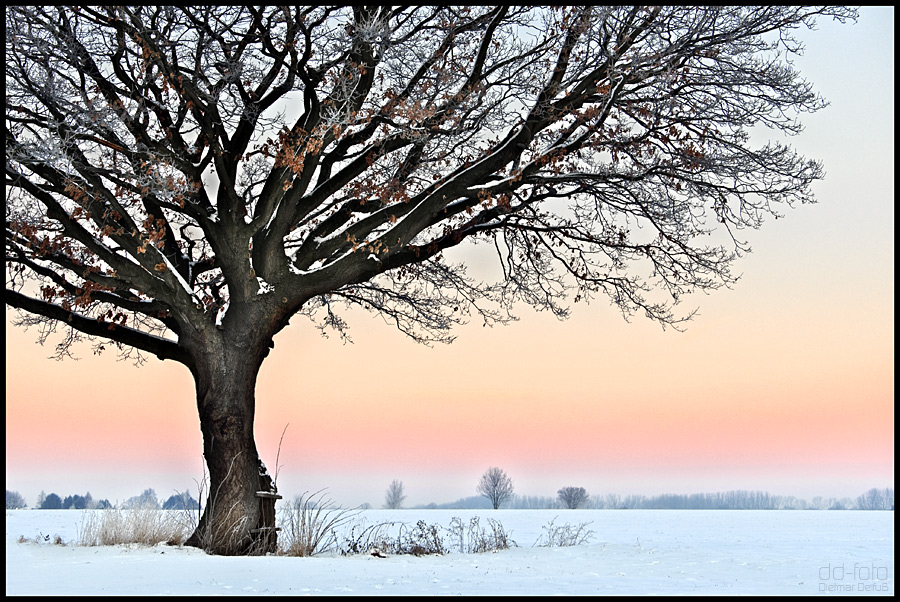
(161, 348)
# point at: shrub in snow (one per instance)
(478, 538)
(40, 538)
(421, 540)
(564, 535)
(371, 539)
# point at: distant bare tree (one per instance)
(393, 498)
(876, 499)
(495, 485)
(14, 500)
(573, 497)
(844, 503)
(147, 499)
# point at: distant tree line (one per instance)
(728, 500)
(176, 501)
(567, 497)
(147, 499)
(181, 501)
(52, 501)
(874, 499)
(474, 502)
(70, 502)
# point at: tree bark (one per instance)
(233, 522)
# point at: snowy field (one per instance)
(633, 552)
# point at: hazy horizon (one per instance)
(783, 384)
(327, 493)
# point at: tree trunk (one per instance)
(236, 520)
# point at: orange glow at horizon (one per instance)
(595, 411)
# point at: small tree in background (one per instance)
(181, 501)
(393, 498)
(52, 502)
(145, 500)
(495, 485)
(572, 497)
(78, 502)
(14, 500)
(876, 499)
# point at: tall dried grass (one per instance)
(309, 525)
(146, 525)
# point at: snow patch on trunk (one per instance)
(220, 315)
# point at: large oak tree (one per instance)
(181, 181)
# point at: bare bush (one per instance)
(327, 531)
(423, 539)
(480, 539)
(371, 539)
(420, 540)
(564, 535)
(40, 538)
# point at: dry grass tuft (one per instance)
(143, 526)
(40, 538)
(309, 525)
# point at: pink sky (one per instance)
(785, 383)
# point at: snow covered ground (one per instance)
(633, 552)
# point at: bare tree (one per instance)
(876, 499)
(572, 497)
(393, 498)
(612, 501)
(182, 181)
(495, 485)
(14, 500)
(147, 499)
